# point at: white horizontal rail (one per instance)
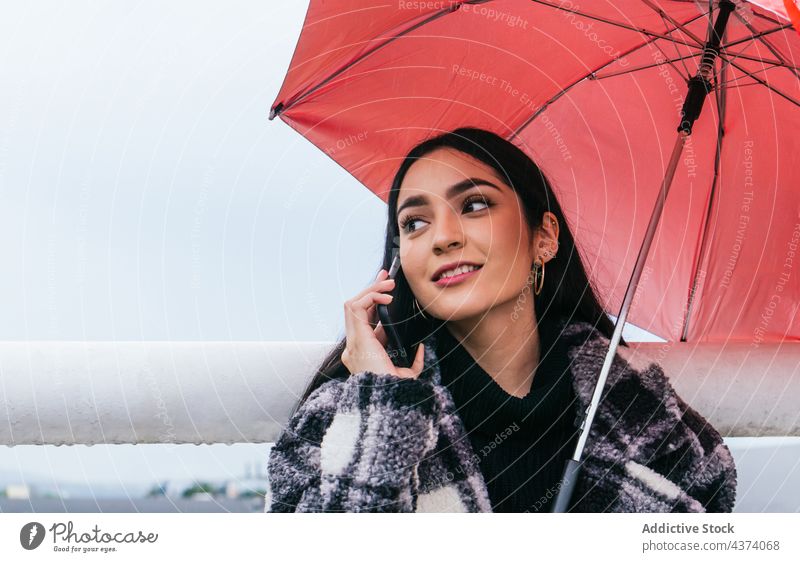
(235, 392)
(150, 392)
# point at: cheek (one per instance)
(413, 263)
(508, 248)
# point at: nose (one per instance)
(449, 233)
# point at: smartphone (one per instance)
(397, 351)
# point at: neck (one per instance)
(505, 345)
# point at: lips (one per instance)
(456, 279)
(452, 266)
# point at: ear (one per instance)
(545, 239)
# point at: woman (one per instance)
(507, 361)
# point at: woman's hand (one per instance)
(364, 345)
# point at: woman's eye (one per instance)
(408, 221)
(479, 200)
(405, 222)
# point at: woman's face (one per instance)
(481, 222)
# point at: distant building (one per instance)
(246, 487)
(18, 492)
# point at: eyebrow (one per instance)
(452, 191)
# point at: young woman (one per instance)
(490, 409)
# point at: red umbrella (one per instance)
(594, 95)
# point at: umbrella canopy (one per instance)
(593, 94)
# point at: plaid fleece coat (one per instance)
(376, 442)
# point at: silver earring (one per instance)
(538, 276)
(416, 305)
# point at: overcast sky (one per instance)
(145, 193)
(146, 196)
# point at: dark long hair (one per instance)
(566, 289)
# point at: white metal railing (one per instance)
(233, 392)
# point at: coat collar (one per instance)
(639, 396)
(585, 345)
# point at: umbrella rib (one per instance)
(682, 27)
(759, 34)
(756, 35)
(767, 18)
(281, 107)
(761, 59)
(730, 84)
(596, 76)
(767, 44)
(773, 64)
(762, 82)
(564, 90)
(675, 44)
(641, 30)
(663, 15)
(677, 52)
(666, 57)
(736, 79)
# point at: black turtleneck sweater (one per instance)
(520, 444)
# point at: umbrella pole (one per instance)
(572, 467)
(699, 86)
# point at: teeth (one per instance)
(458, 271)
